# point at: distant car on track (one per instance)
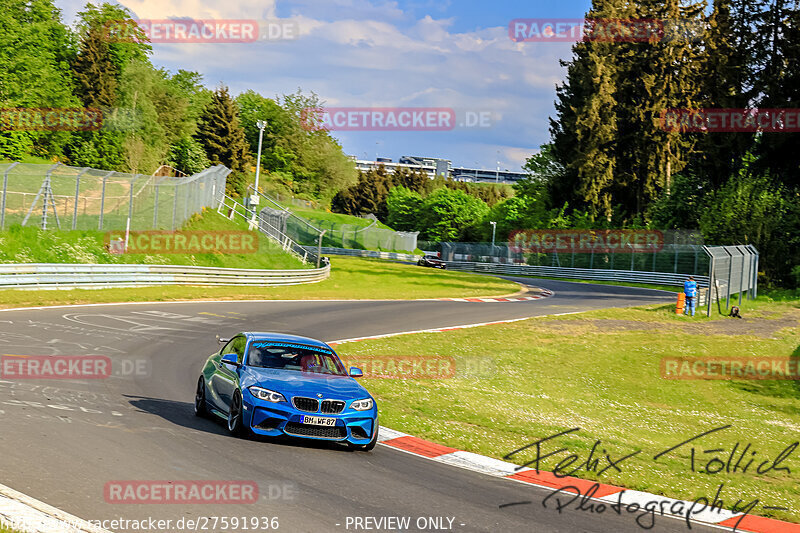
(432, 261)
(274, 384)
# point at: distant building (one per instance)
(434, 166)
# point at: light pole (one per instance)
(494, 227)
(254, 200)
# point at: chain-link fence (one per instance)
(268, 225)
(334, 234)
(59, 196)
(674, 256)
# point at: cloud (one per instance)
(372, 53)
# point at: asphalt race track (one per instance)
(63, 440)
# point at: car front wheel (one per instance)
(235, 415)
(200, 398)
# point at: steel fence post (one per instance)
(711, 265)
(130, 199)
(155, 205)
(675, 266)
(755, 271)
(730, 274)
(103, 200)
(741, 276)
(186, 202)
(174, 204)
(5, 191)
(77, 192)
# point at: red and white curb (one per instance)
(666, 507)
(23, 513)
(663, 506)
(544, 294)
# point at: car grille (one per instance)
(332, 406)
(323, 432)
(309, 405)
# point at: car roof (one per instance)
(283, 337)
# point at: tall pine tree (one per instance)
(585, 127)
(222, 136)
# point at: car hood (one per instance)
(309, 384)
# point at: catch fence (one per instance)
(58, 196)
(307, 231)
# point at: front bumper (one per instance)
(276, 419)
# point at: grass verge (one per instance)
(31, 245)
(599, 371)
(351, 278)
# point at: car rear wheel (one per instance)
(235, 415)
(200, 408)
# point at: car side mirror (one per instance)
(356, 372)
(230, 359)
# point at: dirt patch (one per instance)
(757, 326)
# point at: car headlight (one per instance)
(362, 405)
(266, 394)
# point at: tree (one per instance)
(221, 135)
(126, 42)
(725, 64)
(752, 209)
(403, 207)
(607, 133)
(585, 126)
(95, 74)
(35, 48)
(449, 215)
(780, 88)
(368, 196)
(188, 156)
(415, 180)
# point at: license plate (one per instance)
(318, 420)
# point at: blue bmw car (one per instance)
(274, 384)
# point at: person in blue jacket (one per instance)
(690, 290)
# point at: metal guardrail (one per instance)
(655, 278)
(365, 253)
(35, 276)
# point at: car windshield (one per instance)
(291, 357)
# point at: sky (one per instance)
(452, 54)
